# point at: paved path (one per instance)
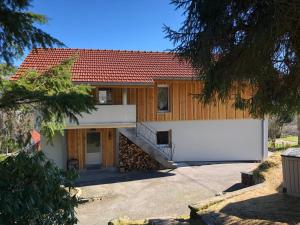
(156, 194)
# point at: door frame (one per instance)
(100, 150)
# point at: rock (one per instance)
(168, 222)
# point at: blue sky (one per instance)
(110, 24)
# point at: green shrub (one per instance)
(2, 157)
(33, 191)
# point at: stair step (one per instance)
(148, 148)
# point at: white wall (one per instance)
(106, 115)
(215, 140)
(56, 152)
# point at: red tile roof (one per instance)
(110, 66)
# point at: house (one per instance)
(146, 116)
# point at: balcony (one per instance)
(106, 116)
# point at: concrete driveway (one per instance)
(154, 194)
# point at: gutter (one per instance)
(146, 84)
(115, 83)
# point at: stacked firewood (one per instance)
(131, 157)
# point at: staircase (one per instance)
(145, 138)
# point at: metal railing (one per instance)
(150, 135)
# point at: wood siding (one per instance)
(76, 145)
(291, 174)
(116, 95)
(182, 104)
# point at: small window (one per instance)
(105, 96)
(163, 138)
(163, 98)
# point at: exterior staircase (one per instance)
(163, 155)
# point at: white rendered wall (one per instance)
(106, 115)
(216, 140)
(56, 152)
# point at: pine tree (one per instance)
(32, 189)
(233, 44)
(18, 30)
(51, 93)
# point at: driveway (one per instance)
(154, 194)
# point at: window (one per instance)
(163, 98)
(105, 96)
(93, 142)
(163, 137)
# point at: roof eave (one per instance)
(92, 83)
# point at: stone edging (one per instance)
(195, 208)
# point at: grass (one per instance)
(290, 138)
(284, 143)
(281, 146)
(262, 170)
(262, 206)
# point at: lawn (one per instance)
(290, 138)
(266, 205)
(284, 143)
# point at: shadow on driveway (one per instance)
(235, 187)
(96, 177)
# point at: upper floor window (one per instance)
(163, 98)
(105, 96)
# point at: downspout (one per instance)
(264, 138)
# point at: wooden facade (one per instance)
(76, 145)
(182, 106)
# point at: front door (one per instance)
(93, 149)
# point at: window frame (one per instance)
(169, 138)
(169, 106)
(108, 90)
(99, 134)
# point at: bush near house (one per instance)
(32, 191)
(2, 157)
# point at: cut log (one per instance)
(131, 157)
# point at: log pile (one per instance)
(131, 157)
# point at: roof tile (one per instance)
(110, 65)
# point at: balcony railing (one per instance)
(106, 116)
